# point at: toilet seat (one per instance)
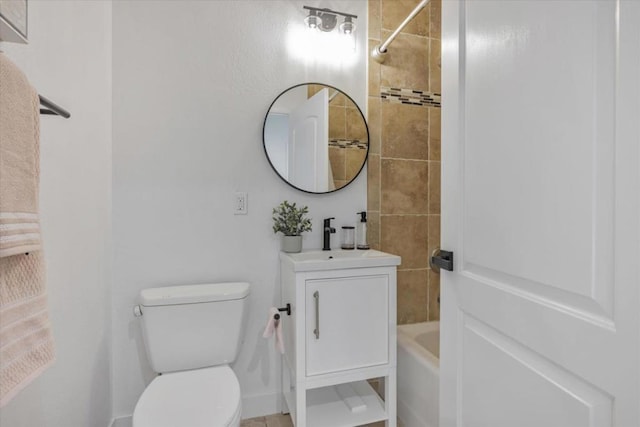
(208, 397)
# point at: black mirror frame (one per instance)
(364, 119)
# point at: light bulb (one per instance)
(313, 21)
(347, 27)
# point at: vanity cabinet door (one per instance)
(347, 323)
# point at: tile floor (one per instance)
(278, 420)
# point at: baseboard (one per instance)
(121, 422)
(260, 405)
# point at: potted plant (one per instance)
(291, 221)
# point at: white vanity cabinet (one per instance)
(341, 332)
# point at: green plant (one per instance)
(290, 220)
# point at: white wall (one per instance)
(68, 60)
(192, 84)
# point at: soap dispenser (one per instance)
(362, 231)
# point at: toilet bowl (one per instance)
(208, 397)
(192, 333)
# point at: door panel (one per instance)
(353, 323)
(538, 170)
(541, 105)
(531, 384)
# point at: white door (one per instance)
(309, 144)
(541, 113)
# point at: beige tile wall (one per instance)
(404, 157)
(346, 162)
(345, 123)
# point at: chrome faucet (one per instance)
(328, 231)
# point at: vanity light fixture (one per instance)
(326, 20)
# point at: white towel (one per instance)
(26, 341)
(19, 162)
(274, 327)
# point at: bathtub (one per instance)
(419, 374)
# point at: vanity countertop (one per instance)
(318, 260)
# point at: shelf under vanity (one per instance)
(326, 407)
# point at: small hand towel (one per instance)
(274, 327)
(26, 341)
(19, 162)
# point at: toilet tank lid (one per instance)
(190, 294)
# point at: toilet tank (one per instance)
(193, 326)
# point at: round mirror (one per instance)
(316, 138)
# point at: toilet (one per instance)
(191, 334)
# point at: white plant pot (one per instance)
(291, 244)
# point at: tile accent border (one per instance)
(348, 143)
(410, 96)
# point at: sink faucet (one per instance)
(328, 231)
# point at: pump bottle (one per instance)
(361, 232)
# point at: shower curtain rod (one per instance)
(379, 52)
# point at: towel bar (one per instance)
(287, 309)
(51, 108)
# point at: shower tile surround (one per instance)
(403, 193)
(410, 96)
